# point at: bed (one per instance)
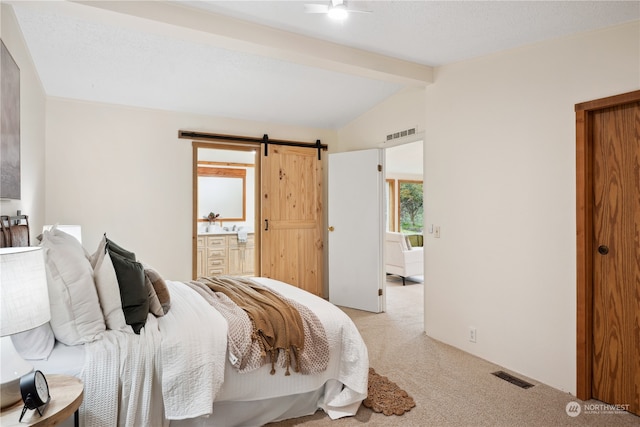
(177, 369)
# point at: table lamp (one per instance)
(24, 305)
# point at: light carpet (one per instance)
(450, 387)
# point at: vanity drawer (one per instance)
(216, 266)
(215, 262)
(216, 241)
(215, 271)
(200, 241)
(217, 252)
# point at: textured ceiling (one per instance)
(436, 32)
(199, 61)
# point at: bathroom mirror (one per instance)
(222, 191)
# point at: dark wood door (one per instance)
(608, 279)
(615, 139)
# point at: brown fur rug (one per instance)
(385, 396)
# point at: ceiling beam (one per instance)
(234, 34)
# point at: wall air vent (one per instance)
(401, 134)
(513, 380)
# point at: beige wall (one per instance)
(500, 181)
(124, 171)
(32, 128)
(499, 173)
(404, 110)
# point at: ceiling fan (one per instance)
(336, 9)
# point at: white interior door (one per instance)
(356, 229)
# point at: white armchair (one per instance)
(400, 260)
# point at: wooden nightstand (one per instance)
(66, 396)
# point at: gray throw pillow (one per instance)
(113, 246)
(133, 291)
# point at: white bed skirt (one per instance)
(258, 412)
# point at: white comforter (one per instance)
(193, 353)
(182, 355)
(121, 379)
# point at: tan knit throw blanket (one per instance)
(264, 326)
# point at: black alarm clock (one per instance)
(35, 392)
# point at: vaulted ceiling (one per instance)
(271, 61)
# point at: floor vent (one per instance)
(513, 380)
(401, 134)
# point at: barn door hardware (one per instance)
(265, 141)
(234, 139)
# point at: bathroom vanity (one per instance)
(223, 253)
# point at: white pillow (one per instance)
(102, 249)
(108, 289)
(76, 317)
(35, 344)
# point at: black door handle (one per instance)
(266, 225)
(603, 250)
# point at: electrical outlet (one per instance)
(437, 232)
(472, 334)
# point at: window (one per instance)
(411, 209)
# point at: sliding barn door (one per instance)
(292, 230)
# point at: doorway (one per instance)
(608, 256)
(225, 210)
(404, 177)
(358, 216)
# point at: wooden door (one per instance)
(292, 229)
(611, 274)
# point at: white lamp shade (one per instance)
(74, 230)
(23, 285)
